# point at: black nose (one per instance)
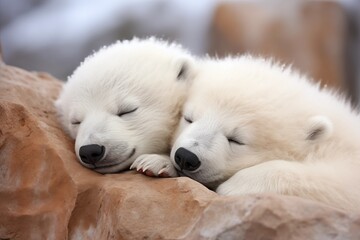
(186, 159)
(91, 153)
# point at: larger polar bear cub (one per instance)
(124, 101)
(251, 126)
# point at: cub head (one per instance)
(124, 101)
(242, 113)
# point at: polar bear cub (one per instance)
(252, 126)
(124, 101)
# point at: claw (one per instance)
(145, 168)
(162, 170)
(132, 166)
(138, 168)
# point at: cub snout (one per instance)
(91, 153)
(186, 159)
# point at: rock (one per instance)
(46, 194)
(310, 35)
(272, 217)
(37, 194)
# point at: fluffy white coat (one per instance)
(256, 127)
(126, 99)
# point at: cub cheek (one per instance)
(72, 132)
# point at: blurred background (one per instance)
(320, 38)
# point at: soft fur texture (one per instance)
(260, 127)
(126, 97)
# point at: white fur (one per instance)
(297, 138)
(155, 163)
(140, 74)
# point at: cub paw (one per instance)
(154, 165)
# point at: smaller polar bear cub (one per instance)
(251, 126)
(124, 101)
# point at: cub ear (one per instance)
(185, 69)
(319, 128)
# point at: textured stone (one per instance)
(37, 194)
(310, 35)
(46, 194)
(268, 217)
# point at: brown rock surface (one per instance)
(310, 35)
(46, 194)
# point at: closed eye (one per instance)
(76, 123)
(126, 112)
(235, 141)
(187, 119)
